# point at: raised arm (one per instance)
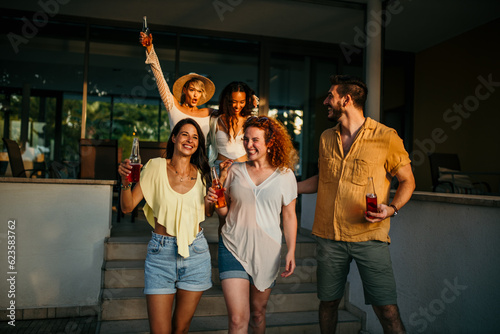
(290, 232)
(151, 58)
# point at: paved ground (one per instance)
(84, 325)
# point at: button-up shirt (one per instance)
(377, 151)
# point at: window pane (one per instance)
(71, 127)
(119, 76)
(221, 60)
(288, 94)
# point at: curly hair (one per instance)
(281, 153)
(226, 110)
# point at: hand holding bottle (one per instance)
(134, 162)
(217, 190)
(145, 37)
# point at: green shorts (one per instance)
(374, 265)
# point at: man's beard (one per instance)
(337, 112)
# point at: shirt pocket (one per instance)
(329, 169)
(360, 172)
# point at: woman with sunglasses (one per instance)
(189, 92)
(178, 265)
(257, 192)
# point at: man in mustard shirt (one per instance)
(355, 149)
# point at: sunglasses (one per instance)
(257, 119)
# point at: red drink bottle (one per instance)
(146, 41)
(371, 197)
(135, 162)
(219, 191)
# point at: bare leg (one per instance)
(160, 313)
(185, 306)
(328, 316)
(389, 318)
(258, 305)
(237, 295)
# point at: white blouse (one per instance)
(252, 230)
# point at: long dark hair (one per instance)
(199, 157)
(226, 103)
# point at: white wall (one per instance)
(445, 259)
(59, 242)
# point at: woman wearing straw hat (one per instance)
(189, 92)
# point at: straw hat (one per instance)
(209, 87)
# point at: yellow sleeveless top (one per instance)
(181, 214)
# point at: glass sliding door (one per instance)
(288, 96)
(221, 60)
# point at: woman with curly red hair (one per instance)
(257, 192)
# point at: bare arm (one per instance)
(290, 232)
(165, 93)
(308, 186)
(402, 196)
(129, 198)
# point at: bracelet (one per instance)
(128, 186)
(395, 209)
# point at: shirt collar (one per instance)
(369, 124)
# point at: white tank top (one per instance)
(175, 115)
(230, 149)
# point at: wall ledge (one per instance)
(56, 181)
(475, 200)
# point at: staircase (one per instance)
(292, 307)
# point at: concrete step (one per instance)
(130, 274)
(276, 323)
(134, 248)
(130, 303)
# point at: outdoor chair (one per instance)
(99, 161)
(151, 149)
(447, 176)
(16, 161)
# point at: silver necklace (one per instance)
(177, 173)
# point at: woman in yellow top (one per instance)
(178, 259)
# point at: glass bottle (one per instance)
(219, 191)
(371, 197)
(135, 162)
(146, 41)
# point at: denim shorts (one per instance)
(165, 270)
(230, 267)
(374, 265)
